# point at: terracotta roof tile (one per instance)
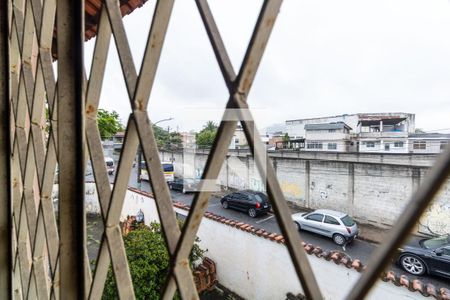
(92, 10)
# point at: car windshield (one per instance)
(436, 242)
(260, 197)
(348, 221)
(168, 167)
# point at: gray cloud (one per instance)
(324, 58)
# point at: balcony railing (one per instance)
(384, 134)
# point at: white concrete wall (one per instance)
(369, 190)
(380, 146)
(297, 129)
(432, 146)
(326, 135)
(341, 145)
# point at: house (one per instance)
(239, 141)
(384, 133)
(328, 137)
(296, 128)
(188, 140)
(428, 142)
(118, 140)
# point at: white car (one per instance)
(333, 224)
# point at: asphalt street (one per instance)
(358, 249)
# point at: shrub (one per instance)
(148, 261)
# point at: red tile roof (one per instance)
(92, 10)
(92, 13)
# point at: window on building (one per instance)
(314, 145)
(332, 146)
(370, 144)
(331, 130)
(443, 145)
(419, 145)
(398, 144)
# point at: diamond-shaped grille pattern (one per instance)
(31, 147)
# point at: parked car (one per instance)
(183, 185)
(252, 202)
(430, 256)
(333, 224)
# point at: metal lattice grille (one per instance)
(41, 259)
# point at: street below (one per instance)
(358, 249)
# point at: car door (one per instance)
(440, 261)
(313, 223)
(177, 184)
(241, 201)
(232, 199)
(330, 225)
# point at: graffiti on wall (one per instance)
(435, 219)
(291, 189)
(256, 184)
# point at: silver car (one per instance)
(334, 224)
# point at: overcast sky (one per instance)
(325, 57)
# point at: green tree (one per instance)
(205, 138)
(108, 123)
(148, 260)
(286, 138)
(166, 140)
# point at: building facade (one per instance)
(296, 128)
(428, 142)
(328, 137)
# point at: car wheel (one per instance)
(252, 212)
(225, 204)
(412, 264)
(298, 226)
(339, 239)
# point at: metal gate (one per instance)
(49, 119)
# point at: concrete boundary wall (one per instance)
(373, 188)
(256, 265)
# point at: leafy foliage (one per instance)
(108, 123)
(286, 138)
(166, 140)
(148, 260)
(205, 138)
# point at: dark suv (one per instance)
(431, 256)
(252, 202)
